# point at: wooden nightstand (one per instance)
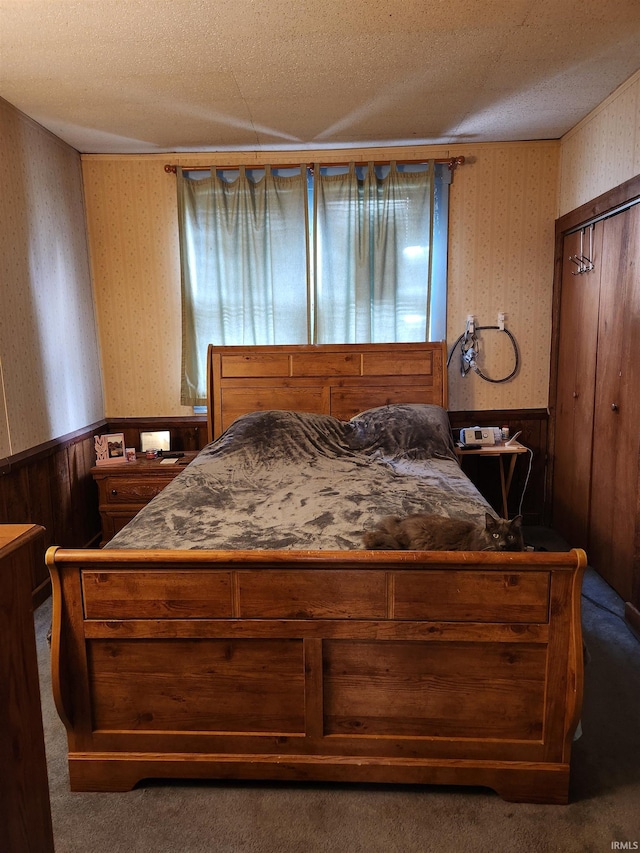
(498, 451)
(124, 488)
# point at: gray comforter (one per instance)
(281, 479)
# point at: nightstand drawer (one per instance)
(134, 490)
(125, 488)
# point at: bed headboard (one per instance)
(334, 379)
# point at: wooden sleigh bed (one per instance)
(346, 665)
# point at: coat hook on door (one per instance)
(584, 263)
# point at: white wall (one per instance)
(48, 342)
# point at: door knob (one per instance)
(614, 407)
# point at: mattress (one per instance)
(295, 480)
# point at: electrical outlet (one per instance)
(501, 320)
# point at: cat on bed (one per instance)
(425, 532)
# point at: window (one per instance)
(299, 255)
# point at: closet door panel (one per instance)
(575, 394)
(611, 546)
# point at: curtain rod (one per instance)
(452, 163)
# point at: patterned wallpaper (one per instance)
(48, 344)
(502, 211)
(603, 150)
(501, 260)
(504, 202)
(133, 238)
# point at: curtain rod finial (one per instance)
(455, 161)
(169, 168)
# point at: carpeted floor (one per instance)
(281, 818)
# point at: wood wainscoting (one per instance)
(188, 433)
(534, 427)
(51, 485)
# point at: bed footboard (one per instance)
(410, 667)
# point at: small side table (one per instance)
(498, 451)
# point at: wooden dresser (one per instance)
(25, 813)
(124, 488)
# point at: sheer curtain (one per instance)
(244, 248)
(379, 236)
(372, 263)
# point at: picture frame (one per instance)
(156, 440)
(110, 449)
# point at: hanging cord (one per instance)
(526, 481)
(469, 351)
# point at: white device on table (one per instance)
(484, 436)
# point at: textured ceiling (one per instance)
(133, 76)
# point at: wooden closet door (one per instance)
(575, 395)
(611, 547)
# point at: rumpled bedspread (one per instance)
(291, 480)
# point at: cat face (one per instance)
(505, 535)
